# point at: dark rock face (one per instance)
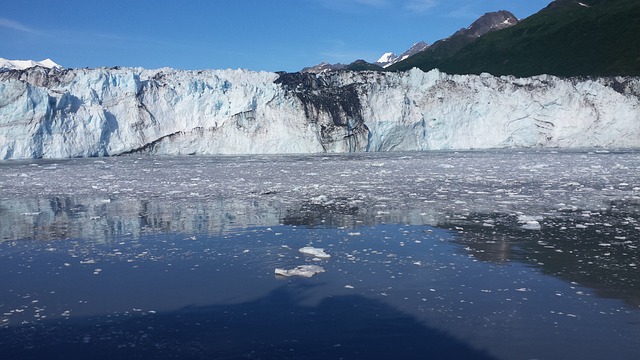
(38, 76)
(574, 3)
(489, 22)
(362, 65)
(323, 67)
(438, 54)
(320, 97)
(416, 48)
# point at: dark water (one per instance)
(477, 255)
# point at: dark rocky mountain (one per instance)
(323, 67)
(566, 38)
(489, 22)
(358, 65)
(445, 48)
(361, 65)
(441, 49)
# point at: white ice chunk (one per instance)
(317, 252)
(532, 225)
(319, 199)
(302, 270)
(530, 222)
(528, 218)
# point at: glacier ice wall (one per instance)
(101, 112)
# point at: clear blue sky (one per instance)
(267, 35)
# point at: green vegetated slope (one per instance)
(361, 65)
(567, 38)
(436, 55)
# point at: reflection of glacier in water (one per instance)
(490, 253)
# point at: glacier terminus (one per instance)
(65, 113)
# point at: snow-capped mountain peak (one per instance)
(25, 64)
(387, 58)
(48, 63)
(416, 48)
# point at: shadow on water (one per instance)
(599, 251)
(275, 326)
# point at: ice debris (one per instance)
(530, 222)
(302, 270)
(317, 252)
(532, 225)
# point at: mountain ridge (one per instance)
(445, 48)
(6, 64)
(566, 38)
(388, 59)
(489, 22)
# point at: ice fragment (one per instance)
(302, 270)
(532, 225)
(316, 252)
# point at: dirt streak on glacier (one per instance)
(111, 111)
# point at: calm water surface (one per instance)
(446, 255)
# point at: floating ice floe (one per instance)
(530, 222)
(302, 270)
(527, 218)
(532, 225)
(317, 252)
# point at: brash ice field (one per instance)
(497, 254)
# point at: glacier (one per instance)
(53, 113)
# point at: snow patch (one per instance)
(26, 64)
